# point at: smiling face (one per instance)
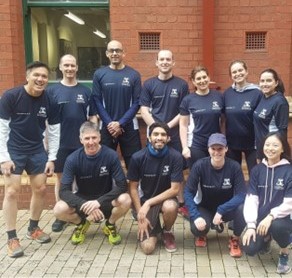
(37, 80)
(90, 140)
(201, 81)
(238, 74)
(165, 62)
(273, 149)
(217, 153)
(68, 67)
(115, 54)
(268, 84)
(158, 138)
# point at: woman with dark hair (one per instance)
(272, 112)
(240, 101)
(205, 106)
(268, 204)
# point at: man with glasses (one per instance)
(116, 90)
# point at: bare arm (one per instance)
(174, 122)
(183, 133)
(146, 115)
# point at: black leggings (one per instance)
(235, 215)
(280, 230)
(250, 157)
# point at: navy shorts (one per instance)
(61, 158)
(33, 164)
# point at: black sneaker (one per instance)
(59, 225)
(266, 247)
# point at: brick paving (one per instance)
(97, 258)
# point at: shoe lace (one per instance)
(13, 243)
(234, 243)
(283, 258)
(37, 232)
(112, 230)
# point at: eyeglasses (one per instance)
(117, 50)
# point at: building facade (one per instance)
(205, 32)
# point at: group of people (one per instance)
(184, 130)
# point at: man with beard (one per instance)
(155, 175)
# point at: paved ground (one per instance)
(97, 258)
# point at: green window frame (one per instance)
(28, 5)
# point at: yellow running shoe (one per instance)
(110, 231)
(79, 232)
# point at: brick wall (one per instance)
(233, 18)
(178, 21)
(12, 56)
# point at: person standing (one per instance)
(272, 112)
(214, 194)
(160, 100)
(205, 106)
(74, 105)
(240, 101)
(24, 111)
(100, 191)
(155, 175)
(268, 204)
(116, 91)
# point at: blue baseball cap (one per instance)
(217, 139)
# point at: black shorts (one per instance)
(61, 158)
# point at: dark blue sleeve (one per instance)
(66, 193)
(190, 192)
(98, 100)
(133, 170)
(145, 98)
(132, 111)
(239, 191)
(183, 109)
(282, 117)
(177, 171)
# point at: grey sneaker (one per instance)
(38, 235)
(283, 267)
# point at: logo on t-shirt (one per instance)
(103, 171)
(174, 93)
(126, 82)
(42, 112)
(263, 114)
(246, 106)
(280, 184)
(226, 184)
(165, 170)
(215, 105)
(80, 99)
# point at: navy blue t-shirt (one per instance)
(116, 94)
(155, 174)
(164, 98)
(206, 111)
(27, 116)
(218, 190)
(75, 105)
(239, 108)
(98, 177)
(271, 114)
